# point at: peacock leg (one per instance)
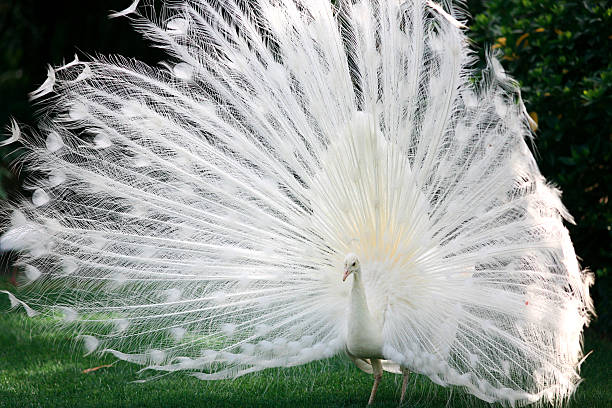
(378, 372)
(405, 374)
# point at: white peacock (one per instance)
(199, 216)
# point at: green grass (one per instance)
(40, 368)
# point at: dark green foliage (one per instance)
(559, 51)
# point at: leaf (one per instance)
(500, 42)
(89, 370)
(534, 123)
(521, 38)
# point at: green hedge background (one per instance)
(559, 51)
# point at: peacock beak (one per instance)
(346, 274)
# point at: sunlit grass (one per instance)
(40, 367)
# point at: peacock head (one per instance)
(351, 265)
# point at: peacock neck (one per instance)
(359, 303)
(364, 335)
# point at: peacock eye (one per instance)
(354, 263)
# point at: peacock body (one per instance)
(196, 216)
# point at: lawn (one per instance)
(40, 368)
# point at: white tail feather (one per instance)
(129, 10)
(46, 87)
(15, 134)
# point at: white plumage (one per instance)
(196, 216)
